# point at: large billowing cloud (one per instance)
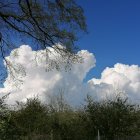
(121, 77)
(31, 78)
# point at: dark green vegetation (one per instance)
(58, 121)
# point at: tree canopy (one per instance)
(115, 119)
(44, 22)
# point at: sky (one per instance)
(31, 78)
(111, 59)
(114, 32)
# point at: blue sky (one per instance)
(114, 37)
(114, 32)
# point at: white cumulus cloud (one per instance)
(121, 77)
(36, 81)
(31, 78)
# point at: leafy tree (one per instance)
(31, 118)
(35, 121)
(66, 122)
(8, 129)
(3, 117)
(44, 22)
(113, 118)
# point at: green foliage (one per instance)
(58, 121)
(113, 118)
(4, 118)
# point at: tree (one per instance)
(33, 120)
(114, 118)
(5, 116)
(45, 22)
(27, 120)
